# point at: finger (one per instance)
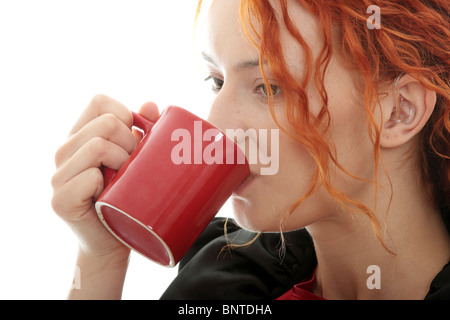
(76, 197)
(100, 105)
(106, 126)
(150, 111)
(95, 153)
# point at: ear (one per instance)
(407, 111)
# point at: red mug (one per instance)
(172, 186)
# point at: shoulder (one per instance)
(213, 270)
(440, 286)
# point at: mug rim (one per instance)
(100, 204)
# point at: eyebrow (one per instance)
(248, 64)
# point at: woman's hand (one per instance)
(102, 136)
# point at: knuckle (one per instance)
(59, 155)
(57, 204)
(109, 123)
(54, 181)
(99, 100)
(96, 146)
(102, 104)
(97, 177)
(98, 182)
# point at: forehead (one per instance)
(227, 41)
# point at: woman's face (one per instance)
(240, 102)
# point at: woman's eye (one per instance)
(263, 90)
(217, 83)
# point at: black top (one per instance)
(212, 271)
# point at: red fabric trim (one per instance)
(302, 291)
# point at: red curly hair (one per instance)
(413, 39)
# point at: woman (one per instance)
(363, 112)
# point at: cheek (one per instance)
(354, 148)
(270, 198)
(349, 126)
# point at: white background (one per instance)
(54, 57)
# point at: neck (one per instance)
(347, 247)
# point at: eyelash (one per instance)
(261, 89)
(215, 87)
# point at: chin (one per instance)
(262, 217)
(253, 219)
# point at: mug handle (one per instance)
(140, 123)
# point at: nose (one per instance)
(226, 111)
(231, 113)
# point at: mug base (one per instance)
(134, 234)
